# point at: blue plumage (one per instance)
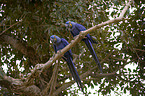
(60, 43)
(75, 29)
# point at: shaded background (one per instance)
(29, 41)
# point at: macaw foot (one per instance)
(84, 38)
(59, 52)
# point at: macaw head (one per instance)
(55, 39)
(70, 25)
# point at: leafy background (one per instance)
(36, 20)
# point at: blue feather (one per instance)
(91, 49)
(60, 43)
(75, 29)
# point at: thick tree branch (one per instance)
(22, 47)
(15, 85)
(34, 90)
(77, 40)
(89, 72)
(82, 34)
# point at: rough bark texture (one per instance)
(22, 47)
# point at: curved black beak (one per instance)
(52, 40)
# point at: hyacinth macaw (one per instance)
(60, 43)
(75, 29)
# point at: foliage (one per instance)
(29, 42)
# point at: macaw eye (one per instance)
(55, 39)
(70, 25)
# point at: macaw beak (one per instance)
(52, 40)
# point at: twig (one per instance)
(78, 56)
(89, 71)
(64, 86)
(10, 27)
(52, 83)
(125, 9)
(140, 50)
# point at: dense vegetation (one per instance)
(26, 27)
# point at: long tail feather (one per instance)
(74, 73)
(91, 39)
(91, 49)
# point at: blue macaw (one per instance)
(75, 29)
(60, 43)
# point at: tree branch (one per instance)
(15, 85)
(139, 49)
(52, 83)
(89, 73)
(22, 47)
(10, 27)
(78, 38)
(81, 36)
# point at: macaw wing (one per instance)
(91, 39)
(65, 44)
(80, 27)
(64, 41)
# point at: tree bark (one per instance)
(22, 47)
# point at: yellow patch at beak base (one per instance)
(70, 25)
